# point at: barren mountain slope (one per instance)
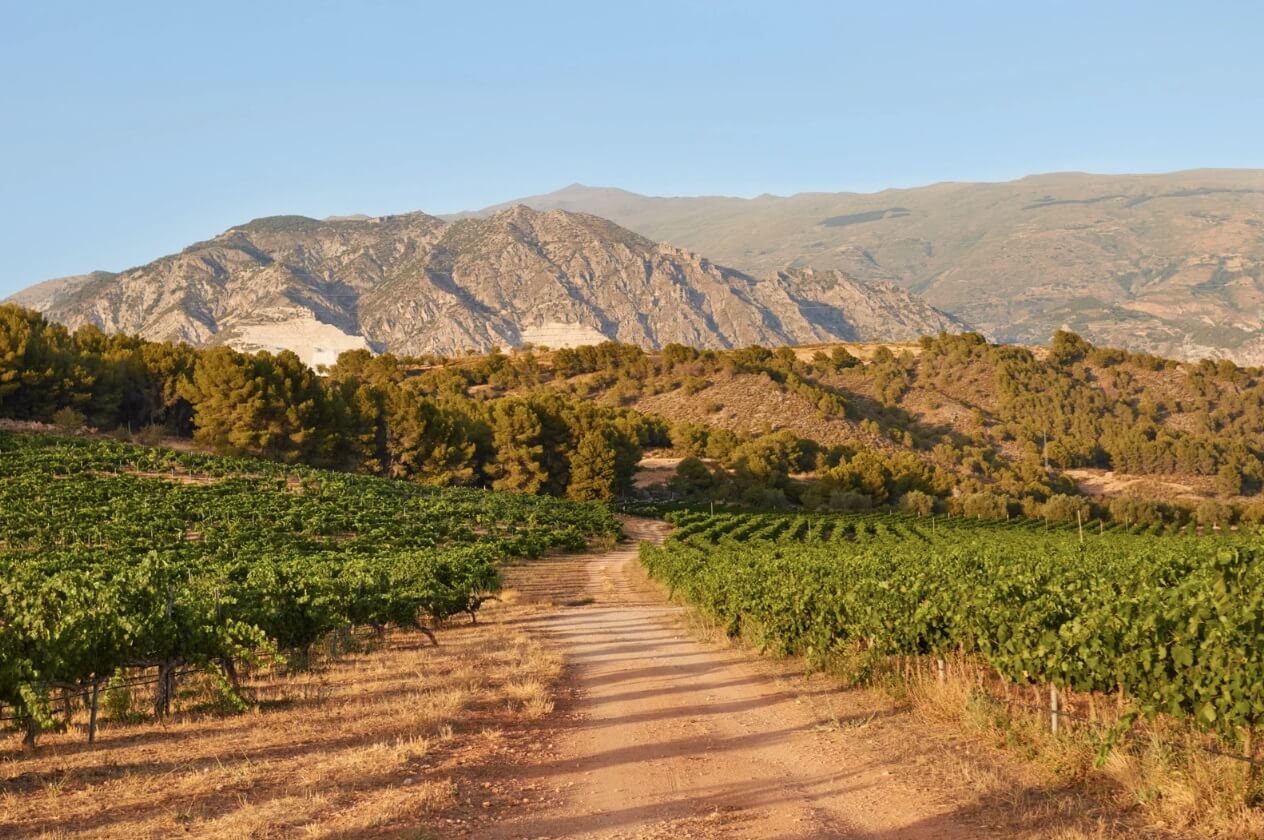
(414, 283)
(45, 295)
(1172, 264)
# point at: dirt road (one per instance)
(669, 736)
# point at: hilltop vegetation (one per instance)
(951, 423)
(996, 428)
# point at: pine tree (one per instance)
(592, 469)
(35, 372)
(228, 401)
(515, 436)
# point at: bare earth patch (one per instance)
(1109, 484)
(653, 471)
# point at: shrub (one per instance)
(842, 359)
(1211, 512)
(917, 502)
(68, 420)
(1064, 508)
(1067, 348)
(1253, 514)
(984, 506)
(694, 384)
(757, 496)
(721, 443)
(151, 435)
(692, 478)
(689, 438)
(850, 500)
(1130, 510)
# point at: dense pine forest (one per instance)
(953, 424)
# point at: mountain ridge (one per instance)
(581, 187)
(1169, 263)
(415, 283)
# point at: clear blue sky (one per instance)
(128, 130)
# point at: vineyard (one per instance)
(117, 558)
(1171, 625)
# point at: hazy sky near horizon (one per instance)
(132, 129)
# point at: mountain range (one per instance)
(1171, 264)
(415, 283)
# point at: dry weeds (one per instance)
(1159, 771)
(373, 742)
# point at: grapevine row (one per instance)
(1176, 624)
(114, 557)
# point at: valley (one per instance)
(866, 444)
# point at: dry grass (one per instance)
(374, 742)
(1159, 771)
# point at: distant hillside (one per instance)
(1171, 264)
(1106, 422)
(415, 283)
(46, 295)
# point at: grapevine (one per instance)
(115, 556)
(1176, 623)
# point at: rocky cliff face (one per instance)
(1172, 263)
(414, 283)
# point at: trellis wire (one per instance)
(86, 691)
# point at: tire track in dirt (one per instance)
(676, 738)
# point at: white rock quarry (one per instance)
(314, 342)
(555, 335)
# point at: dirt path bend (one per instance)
(672, 737)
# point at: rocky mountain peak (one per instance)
(413, 283)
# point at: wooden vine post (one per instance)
(92, 710)
(166, 669)
(1253, 768)
(1053, 708)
